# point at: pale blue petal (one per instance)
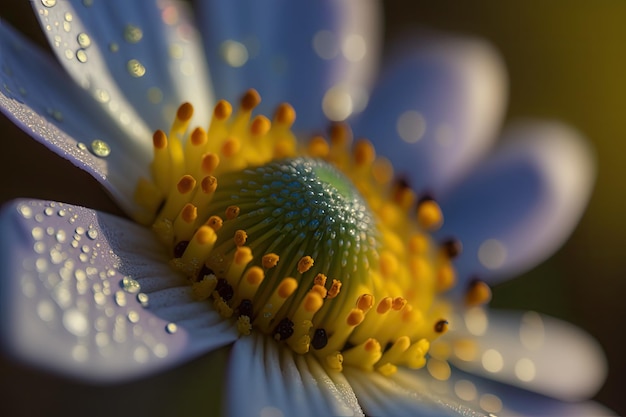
(268, 379)
(404, 394)
(518, 207)
(501, 399)
(271, 46)
(141, 61)
(436, 109)
(90, 295)
(531, 351)
(54, 111)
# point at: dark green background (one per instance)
(566, 60)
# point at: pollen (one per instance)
(314, 244)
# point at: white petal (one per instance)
(141, 60)
(405, 395)
(58, 114)
(294, 52)
(267, 379)
(531, 351)
(74, 298)
(519, 206)
(436, 108)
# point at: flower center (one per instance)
(315, 246)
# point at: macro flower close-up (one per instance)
(312, 223)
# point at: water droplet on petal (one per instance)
(171, 328)
(49, 3)
(100, 148)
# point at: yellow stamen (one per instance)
(429, 215)
(305, 263)
(478, 293)
(270, 260)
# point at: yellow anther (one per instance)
(198, 137)
(186, 184)
(243, 256)
(184, 223)
(340, 135)
(209, 184)
(382, 171)
(335, 361)
(364, 153)
(198, 250)
(446, 277)
(231, 146)
(160, 167)
(269, 260)
(355, 317)
(222, 110)
(418, 244)
(260, 126)
(276, 300)
(215, 223)
(304, 264)
(384, 305)
(398, 303)
(209, 163)
(249, 284)
(312, 302)
(240, 237)
(244, 327)
(334, 289)
(364, 355)
(320, 289)
(404, 196)
(429, 215)
(202, 198)
(232, 212)
(318, 147)
(387, 369)
(320, 279)
(365, 302)
(250, 100)
(184, 113)
(203, 289)
(286, 287)
(285, 115)
(477, 294)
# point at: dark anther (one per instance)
(424, 197)
(473, 281)
(441, 326)
(203, 273)
(284, 329)
(224, 289)
(245, 308)
(402, 182)
(180, 247)
(320, 339)
(452, 247)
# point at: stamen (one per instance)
(478, 293)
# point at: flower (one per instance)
(94, 296)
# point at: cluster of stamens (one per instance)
(316, 246)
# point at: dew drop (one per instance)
(100, 148)
(234, 53)
(75, 322)
(133, 316)
(143, 299)
(132, 34)
(81, 55)
(83, 40)
(49, 3)
(81, 146)
(130, 285)
(171, 328)
(136, 68)
(26, 211)
(120, 299)
(92, 234)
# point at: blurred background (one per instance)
(566, 60)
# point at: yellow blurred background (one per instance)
(566, 60)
